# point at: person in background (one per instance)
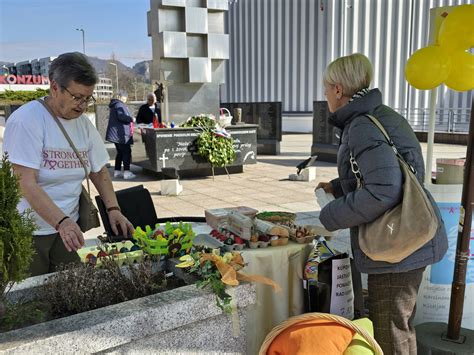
(393, 287)
(50, 173)
(120, 132)
(147, 111)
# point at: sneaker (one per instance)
(128, 175)
(117, 173)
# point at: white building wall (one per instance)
(280, 48)
(103, 89)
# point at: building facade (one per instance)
(103, 89)
(33, 74)
(280, 48)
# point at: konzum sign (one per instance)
(24, 79)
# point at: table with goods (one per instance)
(267, 247)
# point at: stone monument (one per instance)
(189, 46)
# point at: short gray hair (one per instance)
(150, 94)
(75, 67)
(353, 72)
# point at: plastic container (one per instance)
(218, 216)
(129, 257)
(240, 224)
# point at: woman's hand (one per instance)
(71, 234)
(116, 218)
(326, 186)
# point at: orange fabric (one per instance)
(313, 337)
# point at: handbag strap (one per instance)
(61, 127)
(355, 167)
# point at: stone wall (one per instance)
(184, 319)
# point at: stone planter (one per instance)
(185, 319)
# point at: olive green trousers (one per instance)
(50, 253)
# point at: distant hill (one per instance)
(102, 66)
(143, 68)
(136, 81)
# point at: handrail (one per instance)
(451, 120)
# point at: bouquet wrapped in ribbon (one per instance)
(220, 271)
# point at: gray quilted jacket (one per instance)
(383, 184)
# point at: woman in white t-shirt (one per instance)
(51, 174)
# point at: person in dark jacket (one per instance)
(148, 110)
(392, 287)
(120, 132)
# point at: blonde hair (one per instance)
(353, 72)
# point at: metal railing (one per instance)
(451, 120)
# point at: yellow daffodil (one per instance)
(227, 257)
(178, 232)
(187, 261)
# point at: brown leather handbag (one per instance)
(403, 229)
(88, 213)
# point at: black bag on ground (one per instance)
(331, 283)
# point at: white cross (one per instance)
(164, 158)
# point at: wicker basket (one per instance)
(225, 118)
(326, 316)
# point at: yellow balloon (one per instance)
(461, 77)
(457, 30)
(427, 68)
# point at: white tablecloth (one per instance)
(284, 265)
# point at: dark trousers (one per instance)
(50, 254)
(392, 306)
(124, 154)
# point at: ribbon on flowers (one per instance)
(229, 274)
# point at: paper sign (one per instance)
(342, 293)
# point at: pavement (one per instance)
(264, 186)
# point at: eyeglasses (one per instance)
(90, 100)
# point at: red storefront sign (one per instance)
(24, 79)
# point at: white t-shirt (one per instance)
(33, 139)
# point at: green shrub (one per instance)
(9, 97)
(16, 231)
(81, 287)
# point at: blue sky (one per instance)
(40, 28)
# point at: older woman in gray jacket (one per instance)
(392, 287)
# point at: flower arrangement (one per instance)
(214, 143)
(219, 272)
